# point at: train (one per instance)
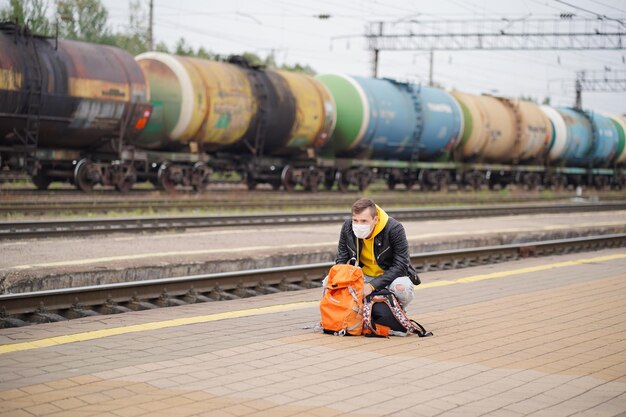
(95, 115)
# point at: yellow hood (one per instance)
(383, 218)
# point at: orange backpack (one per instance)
(341, 306)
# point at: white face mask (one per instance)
(361, 230)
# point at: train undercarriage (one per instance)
(172, 171)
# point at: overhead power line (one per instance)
(567, 33)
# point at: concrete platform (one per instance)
(32, 265)
(535, 337)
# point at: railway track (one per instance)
(58, 305)
(54, 228)
(55, 204)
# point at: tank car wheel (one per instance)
(364, 178)
(200, 176)
(443, 181)
(168, 177)
(123, 177)
(286, 178)
(422, 180)
(600, 183)
(363, 184)
(329, 180)
(531, 181)
(124, 186)
(126, 183)
(313, 185)
(476, 180)
(312, 179)
(251, 183)
(557, 182)
(41, 181)
(342, 181)
(86, 175)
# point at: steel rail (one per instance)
(53, 204)
(54, 305)
(50, 228)
(59, 206)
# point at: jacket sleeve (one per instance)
(343, 252)
(400, 263)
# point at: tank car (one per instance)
(67, 107)
(585, 146)
(249, 119)
(502, 131)
(387, 120)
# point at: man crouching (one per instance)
(379, 244)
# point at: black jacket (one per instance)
(391, 250)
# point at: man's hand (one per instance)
(368, 289)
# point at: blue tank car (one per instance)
(592, 139)
(391, 119)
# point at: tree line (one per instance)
(88, 21)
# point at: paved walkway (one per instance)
(539, 337)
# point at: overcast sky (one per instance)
(291, 30)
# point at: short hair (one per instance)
(363, 204)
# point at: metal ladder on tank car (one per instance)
(29, 137)
(519, 177)
(591, 179)
(256, 145)
(262, 94)
(259, 87)
(409, 176)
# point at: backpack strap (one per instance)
(345, 329)
(369, 327)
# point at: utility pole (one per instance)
(430, 69)
(579, 95)
(375, 51)
(599, 81)
(150, 24)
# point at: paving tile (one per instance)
(239, 410)
(155, 402)
(37, 389)
(93, 398)
(504, 413)
(17, 404)
(74, 413)
(317, 412)
(129, 411)
(42, 409)
(106, 408)
(217, 413)
(16, 413)
(68, 403)
(12, 394)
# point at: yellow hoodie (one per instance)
(367, 257)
